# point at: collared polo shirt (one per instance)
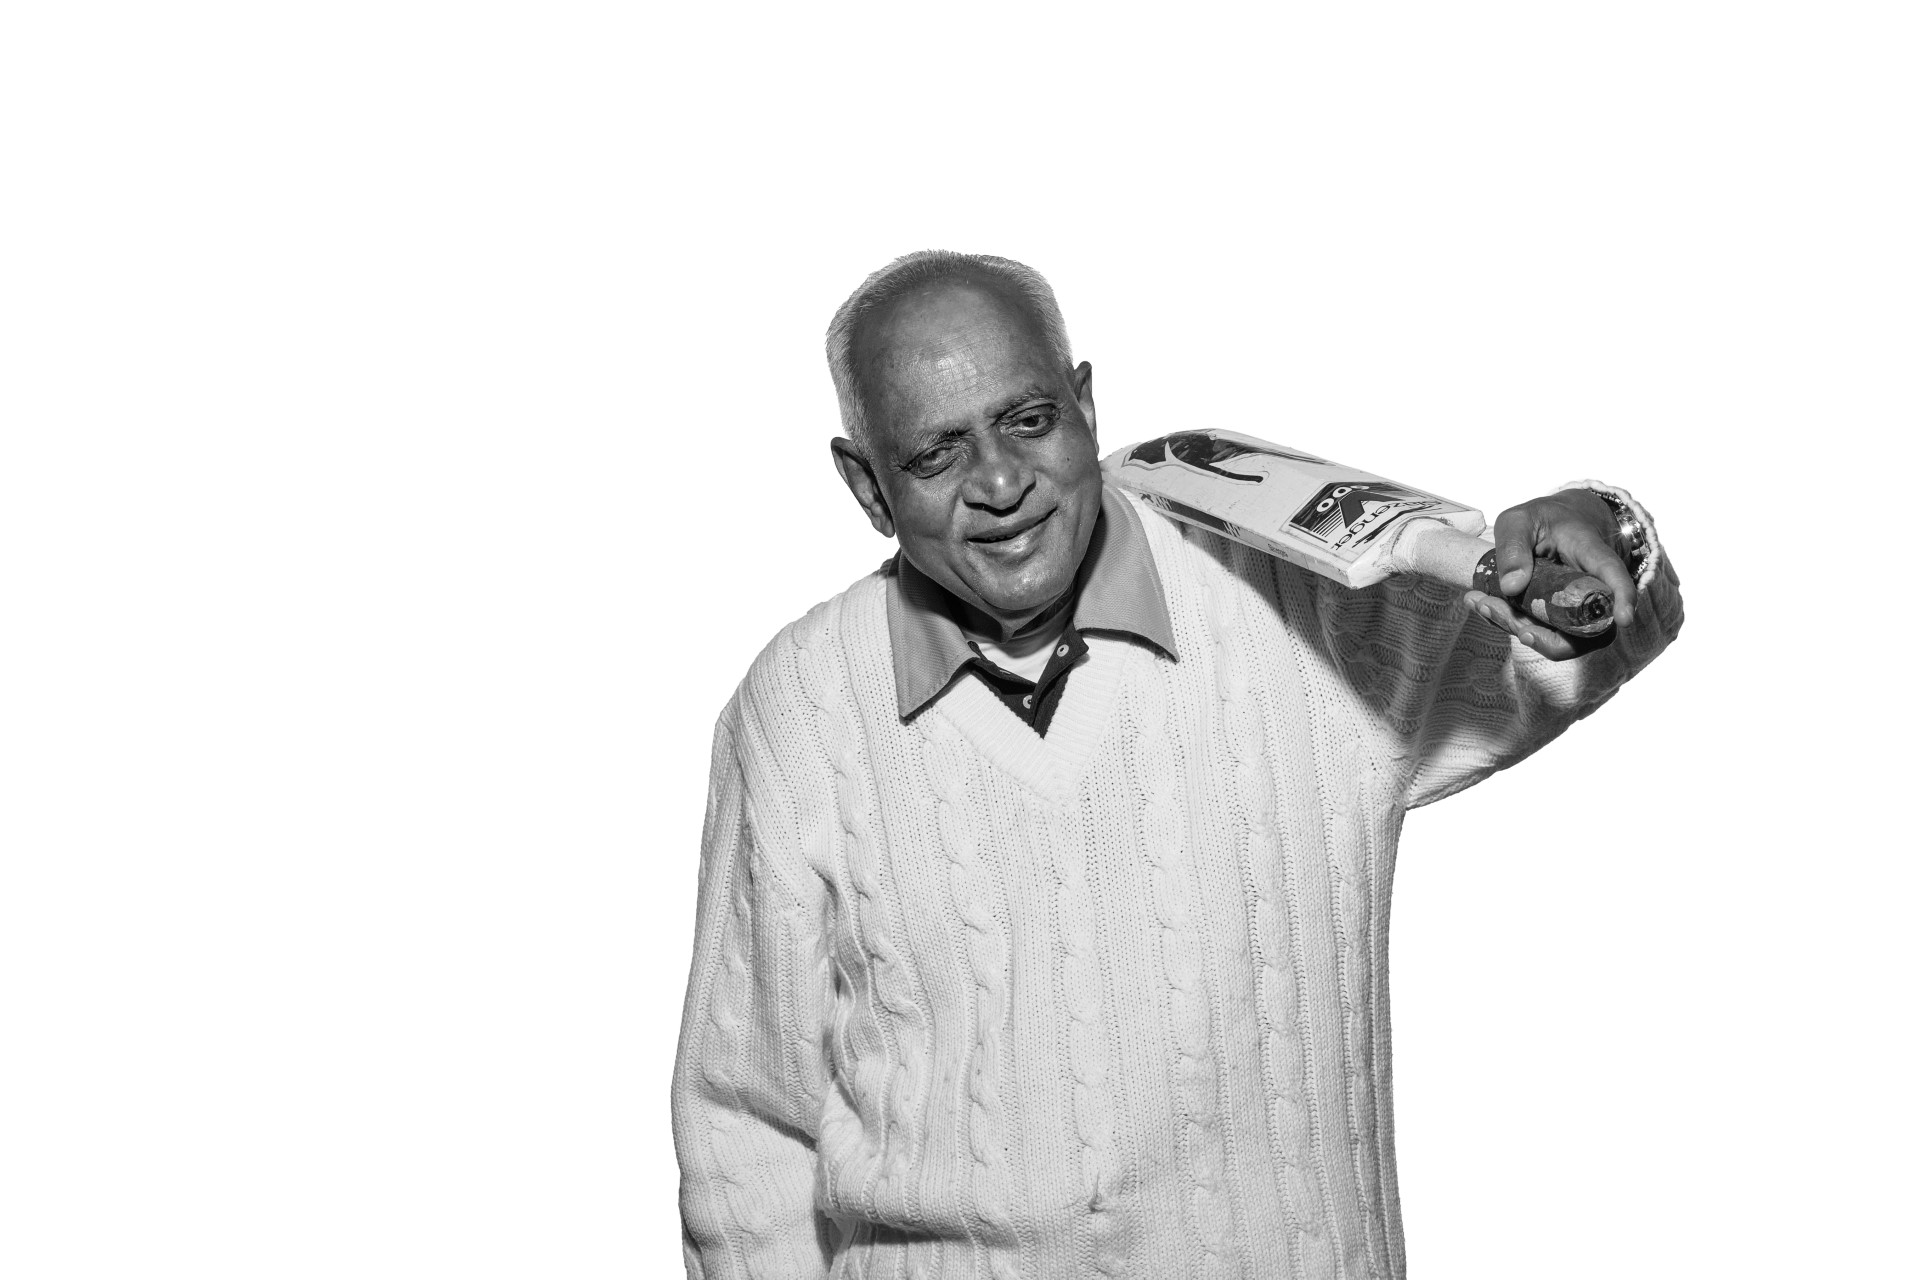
(1117, 589)
(1032, 700)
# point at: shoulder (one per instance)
(1190, 558)
(1172, 542)
(1405, 619)
(789, 674)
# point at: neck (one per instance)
(1010, 627)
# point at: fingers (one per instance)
(1513, 536)
(1592, 554)
(1542, 640)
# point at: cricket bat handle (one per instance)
(1570, 601)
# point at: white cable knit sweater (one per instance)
(969, 1002)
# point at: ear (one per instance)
(1083, 392)
(858, 473)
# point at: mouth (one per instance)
(1013, 537)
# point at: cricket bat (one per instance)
(1352, 526)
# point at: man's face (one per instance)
(982, 449)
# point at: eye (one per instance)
(1036, 421)
(931, 462)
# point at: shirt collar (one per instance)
(1119, 591)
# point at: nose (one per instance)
(1000, 477)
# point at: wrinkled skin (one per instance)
(982, 458)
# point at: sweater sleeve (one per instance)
(1458, 699)
(1496, 701)
(748, 1075)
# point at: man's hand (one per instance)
(1575, 527)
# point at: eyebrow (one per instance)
(920, 444)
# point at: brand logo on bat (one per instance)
(1351, 513)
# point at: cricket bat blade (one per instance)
(1349, 525)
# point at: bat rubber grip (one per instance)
(1571, 601)
(1568, 600)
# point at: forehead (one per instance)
(945, 354)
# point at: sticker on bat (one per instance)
(1206, 450)
(1348, 514)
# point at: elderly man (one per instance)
(1043, 892)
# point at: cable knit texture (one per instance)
(967, 1002)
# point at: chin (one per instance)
(1035, 586)
(1029, 596)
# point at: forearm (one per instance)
(1497, 700)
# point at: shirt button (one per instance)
(1061, 652)
(1027, 702)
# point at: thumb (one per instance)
(1513, 550)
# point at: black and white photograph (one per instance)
(1003, 642)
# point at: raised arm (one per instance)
(748, 1077)
(1508, 686)
(1461, 692)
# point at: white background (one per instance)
(414, 422)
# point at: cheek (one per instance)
(1074, 469)
(924, 516)
(1072, 459)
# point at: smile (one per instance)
(1018, 531)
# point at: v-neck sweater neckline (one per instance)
(1050, 766)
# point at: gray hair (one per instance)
(903, 274)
